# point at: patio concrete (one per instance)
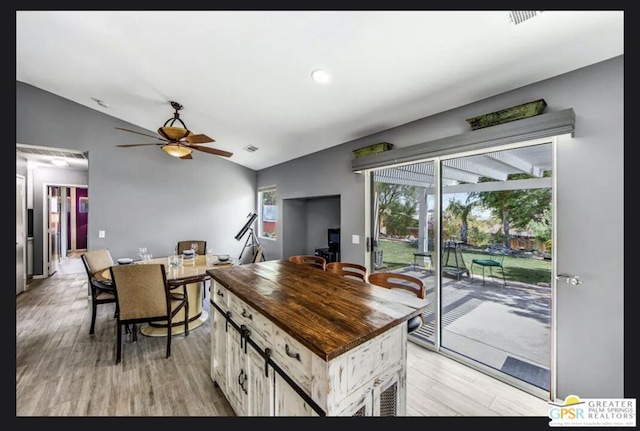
(504, 327)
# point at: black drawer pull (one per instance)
(220, 293)
(292, 355)
(244, 314)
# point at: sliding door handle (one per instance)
(570, 279)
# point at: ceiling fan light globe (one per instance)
(176, 150)
(174, 133)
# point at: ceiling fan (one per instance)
(178, 141)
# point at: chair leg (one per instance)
(186, 319)
(94, 310)
(503, 279)
(169, 336)
(119, 348)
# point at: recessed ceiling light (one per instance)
(321, 76)
(100, 102)
(59, 162)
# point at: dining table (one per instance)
(193, 272)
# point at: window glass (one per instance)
(268, 224)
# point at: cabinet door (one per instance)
(218, 349)
(288, 402)
(238, 374)
(386, 396)
(260, 401)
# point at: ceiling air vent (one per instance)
(250, 148)
(46, 151)
(519, 16)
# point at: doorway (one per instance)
(21, 235)
(489, 214)
(67, 218)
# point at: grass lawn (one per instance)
(398, 254)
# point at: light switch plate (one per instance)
(355, 239)
(100, 234)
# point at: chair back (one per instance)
(392, 280)
(406, 283)
(186, 245)
(349, 270)
(310, 260)
(142, 291)
(497, 257)
(101, 290)
(97, 260)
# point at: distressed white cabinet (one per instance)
(290, 341)
(368, 380)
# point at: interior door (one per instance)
(21, 237)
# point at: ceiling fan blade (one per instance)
(187, 157)
(143, 134)
(138, 145)
(213, 151)
(199, 139)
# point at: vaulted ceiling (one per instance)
(244, 77)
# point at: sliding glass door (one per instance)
(488, 215)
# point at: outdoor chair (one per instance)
(495, 260)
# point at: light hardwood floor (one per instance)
(61, 370)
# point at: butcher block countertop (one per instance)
(327, 313)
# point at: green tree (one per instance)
(542, 228)
(397, 206)
(515, 208)
(270, 198)
(462, 211)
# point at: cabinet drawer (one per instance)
(219, 294)
(261, 328)
(294, 358)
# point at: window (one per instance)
(268, 212)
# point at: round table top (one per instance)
(192, 267)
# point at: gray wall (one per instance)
(590, 363)
(322, 214)
(305, 222)
(138, 196)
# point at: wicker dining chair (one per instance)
(403, 282)
(144, 296)
(310, 260)
(186, 245)
(349, 270)
(101, 290)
